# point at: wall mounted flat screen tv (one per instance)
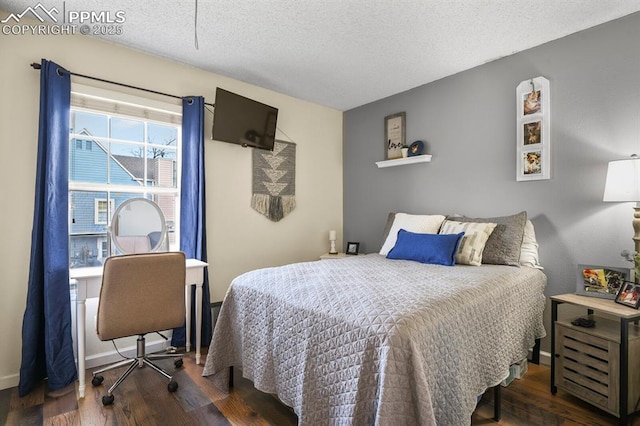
(243, 121)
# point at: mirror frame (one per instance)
(115, 218)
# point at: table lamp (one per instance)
(623, 185)
(332, 241)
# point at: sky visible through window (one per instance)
(125, 129)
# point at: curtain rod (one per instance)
(37, 66)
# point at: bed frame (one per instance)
(497, 396)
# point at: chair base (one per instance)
(139, 361)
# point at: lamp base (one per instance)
(333, 250)
(636, 240)
(636, 227)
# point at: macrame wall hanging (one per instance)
(274, 180)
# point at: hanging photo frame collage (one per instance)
(533, 122)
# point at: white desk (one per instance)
(88, 281)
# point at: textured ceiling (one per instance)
(342, 53)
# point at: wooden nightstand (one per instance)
(333, 256)
(601, 364)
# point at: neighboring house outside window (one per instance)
(116, 152)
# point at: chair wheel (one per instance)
(97, 380)
(178, 363)
(107, 400)
(172, 386)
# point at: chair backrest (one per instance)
(141, 293)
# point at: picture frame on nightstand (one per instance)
(352, 248)
(601, 281)
(629, 295)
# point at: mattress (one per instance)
(368, 340)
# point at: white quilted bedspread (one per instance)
(371, 341)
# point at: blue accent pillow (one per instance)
(439, 249)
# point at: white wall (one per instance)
(239, 239)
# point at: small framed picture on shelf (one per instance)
(394, 135)
(629, 295)
(601, 281)
(352, 248)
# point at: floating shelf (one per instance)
(403, 161)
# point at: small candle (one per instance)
(332, 235)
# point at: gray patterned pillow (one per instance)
(504, 243)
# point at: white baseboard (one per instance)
(545, 358)
(11, 381)
(92, 361)
(106, 358)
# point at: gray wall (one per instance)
(468, 122)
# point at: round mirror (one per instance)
(138, 226)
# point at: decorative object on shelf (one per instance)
(416, 148)
(332, 242)
(352, 248)
(274, 180)
(629, 295)
(600, 281)
(623, 186)
(405, 151)
(533, 152)
(394, 134)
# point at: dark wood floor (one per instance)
(143, 399)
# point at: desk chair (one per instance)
(140, 294)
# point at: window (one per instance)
(104, 248)
(120, 147)
(102, 210)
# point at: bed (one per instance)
(373, 340)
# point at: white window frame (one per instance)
(107, 102)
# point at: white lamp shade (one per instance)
(623, 180)
(332, 235)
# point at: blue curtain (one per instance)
(193, 234)
(47, 345)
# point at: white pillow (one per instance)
(529, 248)
(472, 244)
(420, 224)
